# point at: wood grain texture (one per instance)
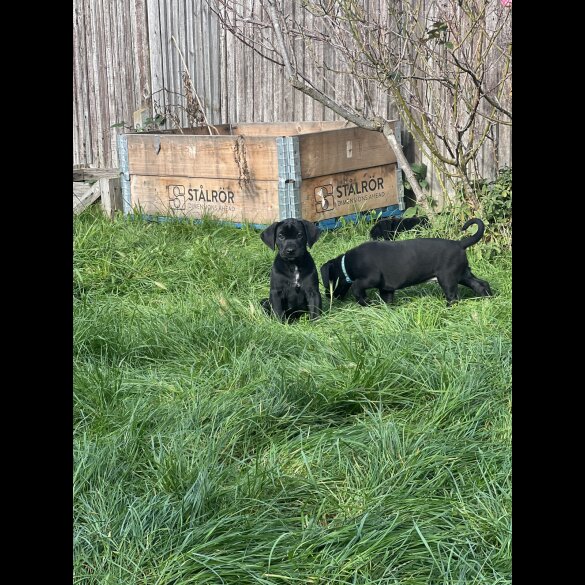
(225, 199)
(345, 193)
(84, 174)
(110, 195)
(84, 195)
(123, 55)
(210, 156)
(324, 153)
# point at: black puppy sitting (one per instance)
(387, 228)
(389, 266)
(294, 281)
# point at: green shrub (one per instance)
(496, 198)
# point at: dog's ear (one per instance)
(312, 231)
(268, 236)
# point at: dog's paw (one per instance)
(366, 302)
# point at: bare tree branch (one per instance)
(445, 65)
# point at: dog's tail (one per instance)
(469, 241)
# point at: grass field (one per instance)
(215, 445)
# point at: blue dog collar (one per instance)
(347, 278)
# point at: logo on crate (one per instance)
(355, 192)
(324, 198)
(177, 197)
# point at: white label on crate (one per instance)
(349, 148)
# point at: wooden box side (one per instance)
(228, 157)
(337, 194)
(338, 151)
(286, 128)
(196, 197)
(256, 129)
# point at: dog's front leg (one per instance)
(360, 294)
(315, 304)
(277, 304)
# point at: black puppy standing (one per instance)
(387, 228)
(389, 266)
(294, 281)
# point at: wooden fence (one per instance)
(131, 54)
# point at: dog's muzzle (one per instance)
(290, 253)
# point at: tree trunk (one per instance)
(470, 196)
(421, 198)
(378, 123)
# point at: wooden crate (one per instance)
(259, 173)
(92, 184)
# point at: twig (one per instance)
(192, 89)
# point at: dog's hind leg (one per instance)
(478, 286)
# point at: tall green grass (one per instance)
(213, 444)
